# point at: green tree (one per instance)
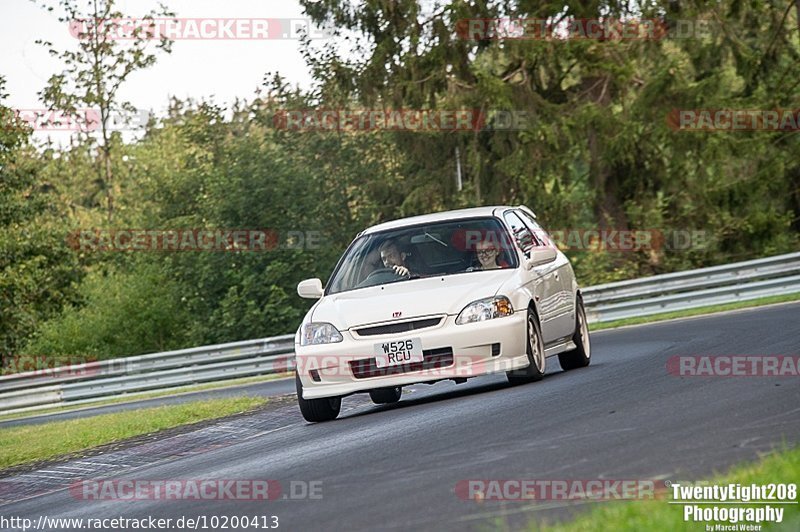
(598, 150)
(94, 74)
(38, 273)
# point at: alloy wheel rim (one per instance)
(533, 340)
(587, 349)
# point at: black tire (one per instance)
(383, 396)
(535, 349)
(324, 409)
(581, 355)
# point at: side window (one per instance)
(522, 235)
(540, 236)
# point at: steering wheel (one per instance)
(384, 270)
(381, 275)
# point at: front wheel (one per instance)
(323, 409)
(535, 347)
(581, 355)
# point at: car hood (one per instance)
(415, 297)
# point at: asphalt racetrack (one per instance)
(398, 467)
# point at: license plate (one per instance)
(398, 352)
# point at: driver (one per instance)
(393, 258)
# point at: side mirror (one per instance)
(310, 289)
(540, 255)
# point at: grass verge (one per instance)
(656, 514)
(711, 309)
(40, 442)
(129, 398)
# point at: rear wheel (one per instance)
(382, 396)
(581, 355)
(323, 409)
(536, 368)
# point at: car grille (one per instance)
(432, 358)
(393, 328)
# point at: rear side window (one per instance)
(522, 235)
(540, 236)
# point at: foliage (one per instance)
(94, 73)
(597, 151)
(125, 313)
(37, 273)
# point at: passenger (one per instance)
(488, 256)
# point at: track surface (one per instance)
(396, 467)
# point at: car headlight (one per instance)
(319, 333)
(485, 309)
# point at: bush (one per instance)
(126, 313)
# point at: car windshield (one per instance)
(436, 249)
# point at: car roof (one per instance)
(473, 212)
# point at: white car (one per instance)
(450, 295)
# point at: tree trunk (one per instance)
(109, 183)
(797, 7)
(109, 176)
(608, 207)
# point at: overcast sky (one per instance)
(225, 69)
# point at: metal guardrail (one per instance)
(93, 381)
(51, 387)
(668, 292)
(147, 363)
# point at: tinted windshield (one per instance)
(437, 249)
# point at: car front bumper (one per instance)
(451, 351)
